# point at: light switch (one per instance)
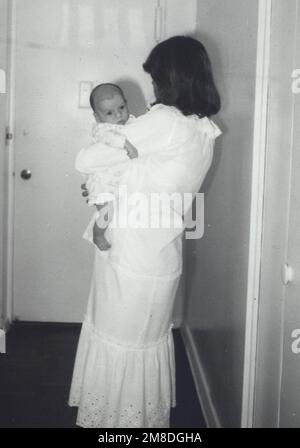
(85, 88)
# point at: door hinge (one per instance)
(2, 341)
(158, 22)
(8, 135)
(287, 274)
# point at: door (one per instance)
(277, 383)
(290, 383)
(60, 43)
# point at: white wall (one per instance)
(216, 269)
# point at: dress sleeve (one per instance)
(173, 177)
(150, 132)
(99, 156)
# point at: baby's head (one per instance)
(109, 104)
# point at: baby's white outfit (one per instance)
(103, 172)
(103, 181)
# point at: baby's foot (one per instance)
(101, 242)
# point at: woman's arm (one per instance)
(164, 129)
(148, 134)
(151, 133)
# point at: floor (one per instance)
(35, 375)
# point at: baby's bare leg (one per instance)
(100, 226)
(99, 238)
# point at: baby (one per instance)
(111, 113)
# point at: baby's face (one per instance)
(113, 110)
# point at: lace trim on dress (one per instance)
(101, 405)
(97, 413)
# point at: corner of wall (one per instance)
(203, 391)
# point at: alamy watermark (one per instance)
(180, 211)
(296, 82)
(295, 346)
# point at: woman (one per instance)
(124, 374)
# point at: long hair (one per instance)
(182, 76)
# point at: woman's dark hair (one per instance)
(182, 75)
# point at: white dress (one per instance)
(124, 373)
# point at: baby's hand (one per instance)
(132, 152)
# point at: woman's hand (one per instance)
(85, 191)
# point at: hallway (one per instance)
(35, 375)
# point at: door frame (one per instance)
(256, 210)
(271, 342)
(7, 279)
